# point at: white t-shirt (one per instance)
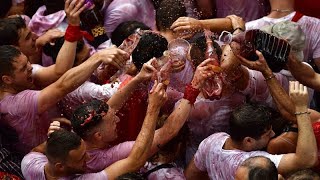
(309, 25)
(220, 163)
(32, 167)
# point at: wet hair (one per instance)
(249, 120)
(5, 6)
(53, 6)
(199, 42)
(150, 45)
(8, 54)
(168, 12)
(306, 174)
(265, 170)
(9, 30)
(88, 116)
(131, 176)
(60, 143)
(53, 50)
(125, 29)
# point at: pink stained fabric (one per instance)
(20, 112)
(209, 117)
(220, 163)
(102, 158)
(32, 167)
(173, 173)
(87, 92)
(247, 9)
(309, 26)
(127, 10)
(39, 23)
(179, 80)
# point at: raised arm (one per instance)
(181, 113)
(66, 56)
(304, 73)
(73, 78)
(306, 150)
(280, 96)
(121, 96)
(139, 153)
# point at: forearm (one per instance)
(284, 103)
(41, 148)
(121, 96)
(306, 150)
(172, 126)
(141, 148)
(78, 75)
(217, 24)
(65, 58)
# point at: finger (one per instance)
(182, 28)
(205, 62)
(301, 87)
(77, 7)
(77, 13)
(154, 86)
(115, 64)
(245, 62)
(305, 90)
(296, 86)
(291, 87)
(67, 4)
(159, 87)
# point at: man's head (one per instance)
(94, 121)
(15, 69)
(13, 31)
(257, 168)
(306, 174)
(66, 152)
(82, 50)
(250, 126)
(150, 45)
(125, 29)
(168, 12)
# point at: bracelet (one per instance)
(191, 94)
(270, 77)
(300, 113)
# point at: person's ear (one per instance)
(97, 135)
(6, 79)
(59, 166)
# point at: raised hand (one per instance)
(186, 26)
(157, 95)
(48, 37)
(113, 56)
(73, 8)
(237, 22)
(299, 94)
(204, 71)
(55, 125)
(147, 70)
(258, 65)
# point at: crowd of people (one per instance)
(159, 89)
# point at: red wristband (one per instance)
(191, 94)
(74, 33)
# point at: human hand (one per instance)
(236, 21)
(299, 95)
(113, 56)
(186, 27)
(73, 9)
(157, 95)
(147, 70)
(55, 125)
(258, 65)
(177, 66)
(48, 37)
(204, 71)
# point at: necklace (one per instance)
(282, 10)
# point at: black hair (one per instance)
(306, 174)
(131, 176)
(80, 123)
(249, 120)
(60, 143)
(52, 50)
(9, 30)
(199, 42)
(53, 6)
(7, 57)
(150, 45)
(168, 12)
(125, 29)
(5, 6)
(260, 170)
